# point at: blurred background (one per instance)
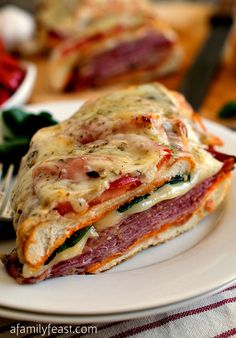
(30, 4)
(49, 26)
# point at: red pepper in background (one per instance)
(11, 74)
(11, 79)
(1, 46)
(4, 95)
(8, 60)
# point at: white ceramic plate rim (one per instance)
(23, 314)
(127, 294)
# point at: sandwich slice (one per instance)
(61, 20)
(118, 41)
(129, 170)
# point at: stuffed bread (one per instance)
(129, 170)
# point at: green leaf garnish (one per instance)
(18, 128)
(228, 111)
(21, 123)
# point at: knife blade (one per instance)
(195, 83)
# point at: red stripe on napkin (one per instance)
(226, 334)
(174, 317)
(230, 288)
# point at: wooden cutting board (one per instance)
(191, 23)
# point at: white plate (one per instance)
(191, 266)
(23, 92)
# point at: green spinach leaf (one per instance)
(69, 242)
(18, 128)
(134, 201)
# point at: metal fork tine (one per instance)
(6, 189)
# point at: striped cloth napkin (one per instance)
(214, 316)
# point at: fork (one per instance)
(6, 184)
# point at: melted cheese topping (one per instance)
(133, 154)
(125, 133)
(122, 137)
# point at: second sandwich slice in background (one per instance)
(106, 42)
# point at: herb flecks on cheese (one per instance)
(123, 133)
(116, 148)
